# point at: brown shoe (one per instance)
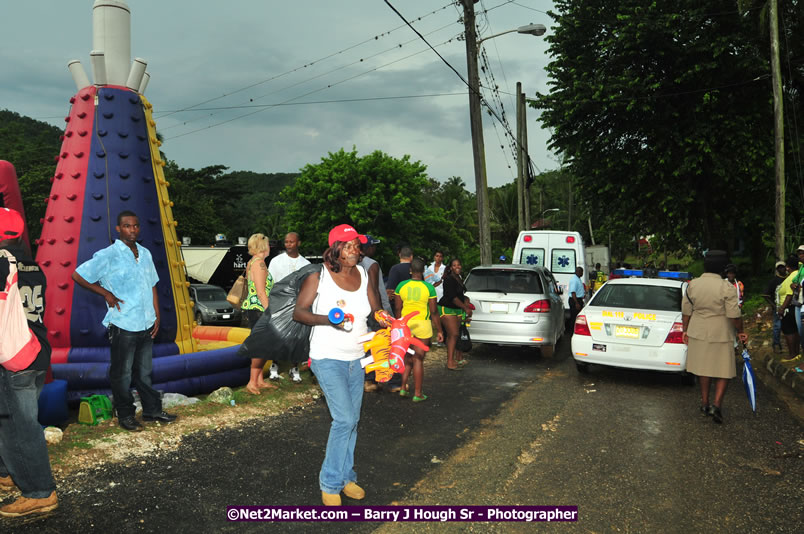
(6, 484)
(395, 389)
(353, 491)
(24, 506)
(330, 499)
(368, 387)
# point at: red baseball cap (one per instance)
(11, 224)
(344, 232)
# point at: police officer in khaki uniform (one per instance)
(711, 315)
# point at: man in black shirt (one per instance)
(24, 460)
(398, 273)
(770, 296)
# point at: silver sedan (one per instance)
(515, 305)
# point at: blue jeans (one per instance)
(132, 365)
(23, 450)
(342, 384)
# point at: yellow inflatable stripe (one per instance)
(181, 296)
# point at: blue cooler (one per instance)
(53, 404)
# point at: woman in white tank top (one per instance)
(336, 353)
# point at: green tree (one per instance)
(210, 201)
(30, 145)
(194, 207)
(663, 114)
(377, 194)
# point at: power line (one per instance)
(308, 64)
(328, 86)
(358, 61)
(483, 101)
(365, 99)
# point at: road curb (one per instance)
(786, 375)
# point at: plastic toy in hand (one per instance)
(384, 318)
(388, 348)
(338, 317)
(402, 338)
(379, 343)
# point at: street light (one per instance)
(548, 210)
(528, 29)
(476, 123)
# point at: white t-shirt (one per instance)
(283, 265)
(335, 343)
(435, 276)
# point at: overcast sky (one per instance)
(255, 51)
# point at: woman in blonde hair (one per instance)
(259, 283)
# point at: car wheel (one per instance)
(199, 318)
(583, 368)
(688, 379)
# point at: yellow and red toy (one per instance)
(389, 346)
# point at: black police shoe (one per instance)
(162, 417)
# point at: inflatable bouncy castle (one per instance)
(110, 162)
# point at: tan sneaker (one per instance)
(330, 499)
(353, 491)
(6, 484)
(368, 387)
(24, 506)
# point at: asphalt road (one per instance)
(629, 448)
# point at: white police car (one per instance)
(634, 322)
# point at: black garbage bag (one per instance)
(465, 340)
(276, 336)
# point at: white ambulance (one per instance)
(560, 252)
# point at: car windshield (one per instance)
(210, 294)
(660, 298)
(504, 281)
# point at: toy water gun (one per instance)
(338, 317)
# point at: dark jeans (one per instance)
(132, 364)
(777, 329)
(23, 450)
(574, 312)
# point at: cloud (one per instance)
(303, 51)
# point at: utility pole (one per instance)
(521, 167)
(476, 121)
(569, 205)
(778, 127)
(525, 162)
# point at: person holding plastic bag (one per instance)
(335, 353)
(259, 282)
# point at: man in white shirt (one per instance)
(282, 265)
(434, 273)
(289, 261)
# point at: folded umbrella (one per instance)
(749, 379)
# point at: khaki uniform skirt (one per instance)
(711, 358)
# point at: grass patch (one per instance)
(203, 416)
